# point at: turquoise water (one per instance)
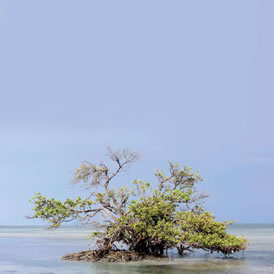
(38, 250)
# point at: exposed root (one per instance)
(109, 256)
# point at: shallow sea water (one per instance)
(34, 249)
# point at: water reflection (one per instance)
(174, 266)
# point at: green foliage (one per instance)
(57, 212)
(146, 219)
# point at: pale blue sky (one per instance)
(189, 81)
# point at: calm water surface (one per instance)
(38, 250)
